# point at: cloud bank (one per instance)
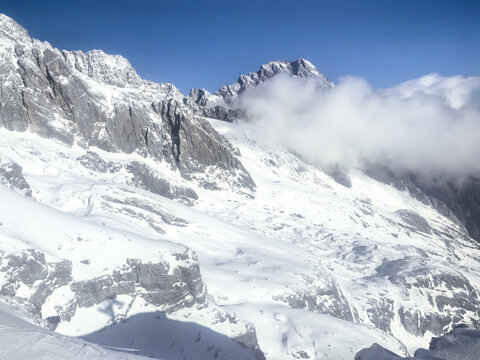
(430, 125)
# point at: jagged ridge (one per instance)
(223, 103)
(95, 99)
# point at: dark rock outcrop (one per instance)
(445, 308)
(157, 283)
(457, 200)
(11, 175)
(376, 352)
(338, 173)
(417, 222)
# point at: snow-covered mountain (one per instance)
(223, 104)
(227, 96)
(95, 99)
(134, 219)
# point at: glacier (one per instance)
(136, 221)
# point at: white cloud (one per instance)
(429, 125)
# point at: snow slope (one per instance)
(80, 271)
(319, 269)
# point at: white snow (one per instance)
(296, 236)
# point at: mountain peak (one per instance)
(227, 96)
(11, 30)
(304, 68)
(105, 68)
(297, 68)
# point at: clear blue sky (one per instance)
(209, 43)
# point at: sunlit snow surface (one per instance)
(305, 260)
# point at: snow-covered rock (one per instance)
(78, 277)
(96, 99)
(223, 104)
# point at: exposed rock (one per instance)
(95, 99)
(221, 113)
(376, 352)
(322, 295)
(417, 323)
(415, 220)
(249, 341)
(459, 304)
(338, 173)
(462, 343)
(143, 207)
(224, 103)
(144, 177)
(381, 313)
(52, 322)
(157, 283)
(457, 200)
(92, 161)
(461, 197)
(29, 268)
(170, 284)
(11, 176)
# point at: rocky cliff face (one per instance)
(95, 99)
(97, 102)
(460, 196)
(169, 288)
(456, 199)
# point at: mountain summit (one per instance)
(225, 99)
(11, 30)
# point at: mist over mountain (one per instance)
(429, 125)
